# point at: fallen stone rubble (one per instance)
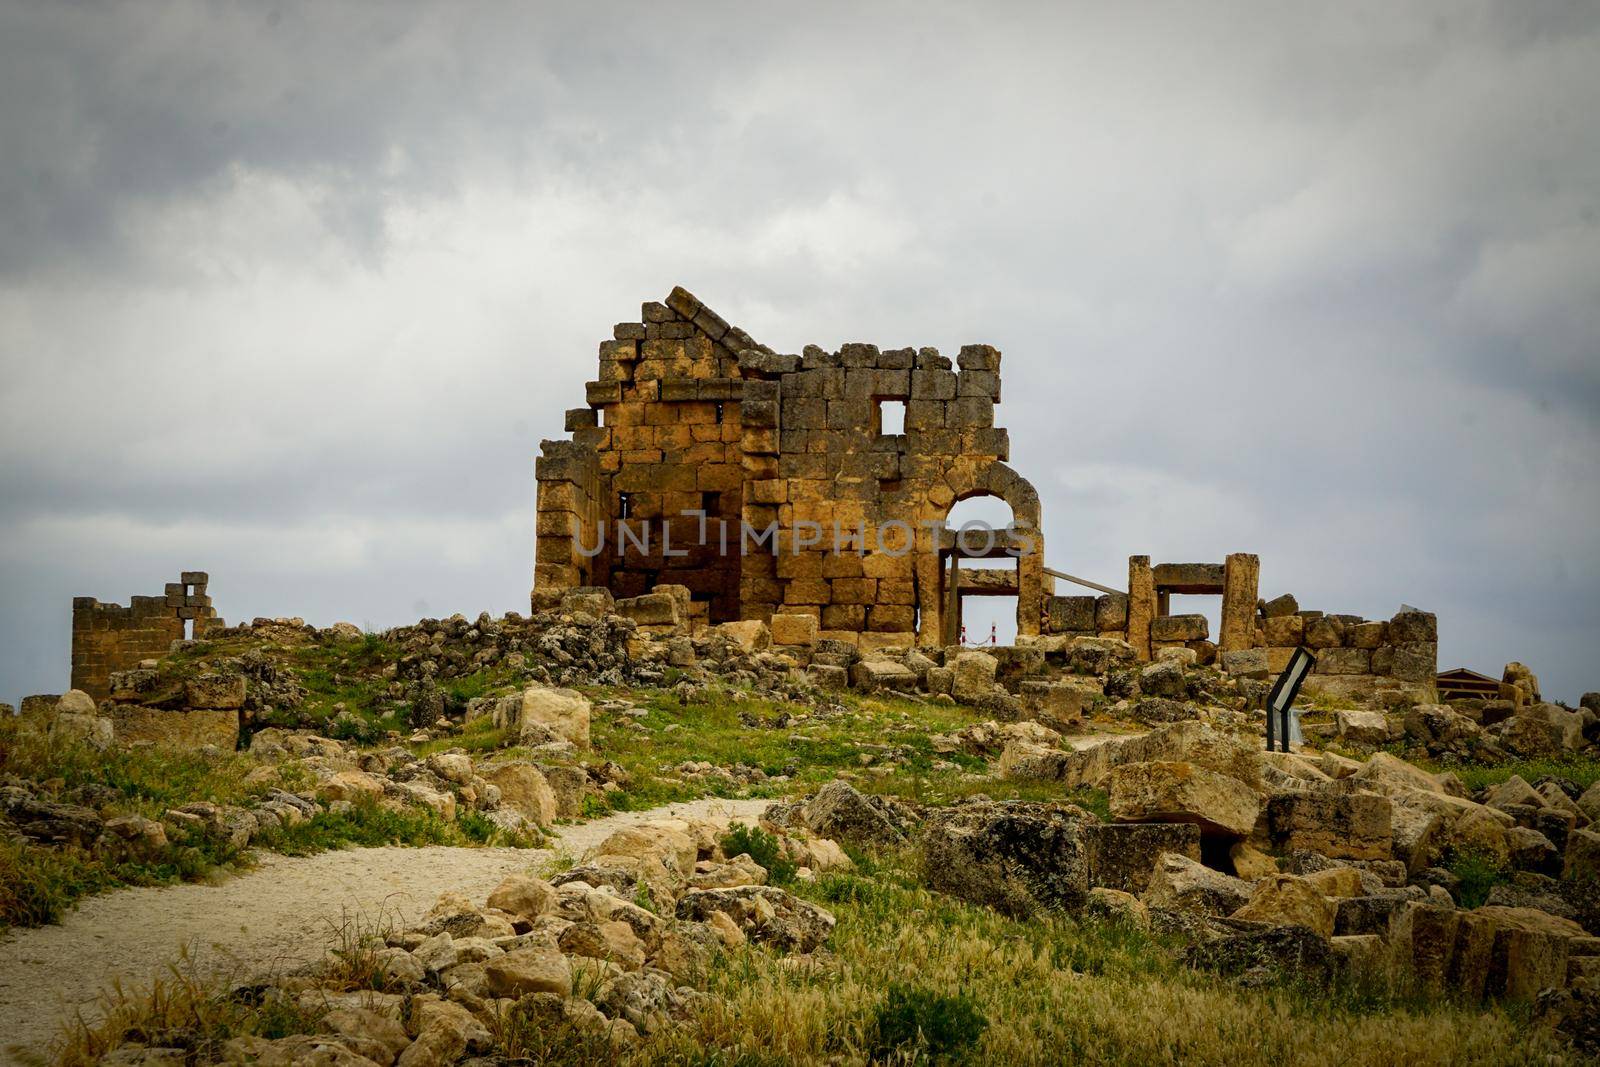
(613, 949)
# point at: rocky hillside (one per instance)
(1016, 856)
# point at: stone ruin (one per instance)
(107, 638)
(694, 428)
(690, 414)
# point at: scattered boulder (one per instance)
(1170, 791)
(841, 812)
(1288, 900)
(1015, 857)
(764, 914)
(1182, 884)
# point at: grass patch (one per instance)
(916, 1021)
(1052, 990)
(1584, 772)
(761, 846)
(1478, 875)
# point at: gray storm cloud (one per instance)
(291, 293)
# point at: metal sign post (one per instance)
(1284, 690)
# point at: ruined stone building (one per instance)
(690, 414)
(107, 638)
(695, 435)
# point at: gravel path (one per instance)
(284, 912)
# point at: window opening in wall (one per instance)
(624, 505)
(188, 629)
(711, 503)
(890, 416)
(719, 413)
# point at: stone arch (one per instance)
(963, 481)
(995, 478)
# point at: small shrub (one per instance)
(1478, 874)
(915, 1018)
(762, 847)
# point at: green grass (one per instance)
(1585, 772)
(762, 847)
(368, 824)
(811, 751)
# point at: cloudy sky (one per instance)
(291, 293)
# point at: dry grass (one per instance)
(1054, 991)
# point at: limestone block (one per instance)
(1123, 856)
(1344, 661)
(1324, 632)
(524, 789)
(1284, 630)
(221, 691)
(1287, 900)
(1362, 727)
(1111, 612)
(1281, 606)
(1179, 628)
(1340, 825)
(1182, 884)
(1171, 791)
(974, 675)
(875, 674)
(788, 629)
(1247, 663)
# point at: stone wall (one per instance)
(1356, 657)
(107, 638)
(690, 414)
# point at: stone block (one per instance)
(1284, 630)
(1111, 613)
(1179, 628)
(1344, 661)
(1172, 791)
(1070, 614)
(1339, 825)
(794, 629)
(1123, 856)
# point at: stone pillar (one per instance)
(931, 621)
(1141, 603)
(1241, 574)
(1030, 585)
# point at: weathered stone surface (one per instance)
(1122, 856)
(1163, 679)
(1362, 727)
(974, 676)
(1582, 856)
(748, 635)
(216, 691)
(1341, 825)
(1170, 791)
(794, 629)
(529, 970)
(1246, 663)
(351, 786)
(524, 790)
(1182, 884)
(1015, 857)
(541, 714)
(841, 812)
(1179, 628)
(523, 896)
(873, 674)
(1287, 900)
(765, 914)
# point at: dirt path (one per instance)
(282, 913)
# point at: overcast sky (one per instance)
(291, 293)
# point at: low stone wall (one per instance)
(1394, 660)
(194, 728)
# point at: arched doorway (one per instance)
(999, 559)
